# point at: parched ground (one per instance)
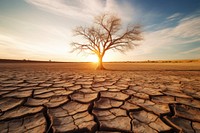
(52, 97)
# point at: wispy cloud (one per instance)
(174, 16)
(14, 47)
(39, 42)
(33, 38)
(83, 9)
(187, 31)
(191, 51)
(45, 40)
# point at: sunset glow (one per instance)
(92, 58)
(42, 29)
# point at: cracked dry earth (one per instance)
(99, 102)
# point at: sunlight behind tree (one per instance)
(92, 58)
(106, 34)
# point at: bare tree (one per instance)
(104, 35)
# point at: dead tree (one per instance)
(106, 34)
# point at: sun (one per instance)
(92, 58)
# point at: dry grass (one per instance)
(153, 66)
(192, 66)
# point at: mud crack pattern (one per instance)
(99, 102)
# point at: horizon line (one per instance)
(52, 61)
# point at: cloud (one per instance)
(73, 9)
(189, 28)
(5, 38)
(187, 31)
(39, 42)
(43, 39)
(11, 47)
(14, 47)
(191, 51)
(83, 9)
(174, 16)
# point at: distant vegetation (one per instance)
(169, 61)
(23, 61)
(148, 61)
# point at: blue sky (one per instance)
(42, 29)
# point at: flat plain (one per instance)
(74, 97)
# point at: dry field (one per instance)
(73, 97)
(193, 66)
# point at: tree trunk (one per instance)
(100, 63)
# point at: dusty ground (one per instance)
(71, 97)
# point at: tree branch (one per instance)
(104, 35)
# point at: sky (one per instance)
(42, 29)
